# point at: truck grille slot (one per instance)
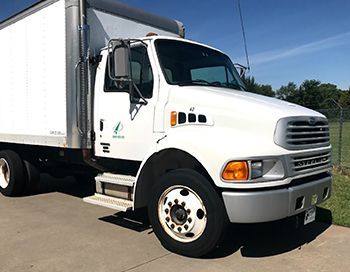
(311, 162)
(302, 132)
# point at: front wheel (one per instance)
(186, 213)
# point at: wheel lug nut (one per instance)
(170, 204)
(188, 211)
(167, 219)
(183, 204)
(186, 227)
(179, 229)
(189, 220)
(172, 226)
(166, 211)
(176, 201)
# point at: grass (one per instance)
(339, 203)
(334, 132)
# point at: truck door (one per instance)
(124, 130)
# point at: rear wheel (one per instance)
(12, 174)
(186, 213)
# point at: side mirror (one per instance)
(119, 60)
(119, 69)
(241, 69)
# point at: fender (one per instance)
(223, 147)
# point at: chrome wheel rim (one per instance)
(182, 214)
(4, 174)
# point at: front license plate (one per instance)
(310, 215)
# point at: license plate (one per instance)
(310, 215)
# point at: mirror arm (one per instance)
(137, 40)
(144, 101)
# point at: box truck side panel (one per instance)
(105, 26)
(33, 78)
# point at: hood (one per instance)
(238, 102)
(235, 112)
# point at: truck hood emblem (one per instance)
(312, 121)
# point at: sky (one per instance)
(290, 40)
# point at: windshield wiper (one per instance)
(195, 81)
(213, 84)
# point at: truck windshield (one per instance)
(188, 64)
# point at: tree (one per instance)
(310, 94)
(289, 93)
(249, 83)
(266, 89)
(344, 99)
(254, 87)
(329, 92)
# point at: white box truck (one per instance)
(94, 87)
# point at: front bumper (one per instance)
(274, 204)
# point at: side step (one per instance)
(116, 179)
(109, 202)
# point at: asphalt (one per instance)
(54, 230)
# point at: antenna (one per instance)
(243, 34)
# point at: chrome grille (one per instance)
(303, 163)
(302, 132)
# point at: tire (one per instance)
(12, 174)
(186, 213)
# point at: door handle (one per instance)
(101, 124)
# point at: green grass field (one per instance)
(334, 131)
(339, 203)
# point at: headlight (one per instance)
(258, 170)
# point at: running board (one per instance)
(116, 179)
(109, 202)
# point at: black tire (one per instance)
(216, 218)
(17, 176)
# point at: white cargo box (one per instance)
(40, 102)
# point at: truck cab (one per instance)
(180, 108)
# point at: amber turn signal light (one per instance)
(173, 118)
(236, 170)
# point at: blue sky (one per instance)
(290, 40)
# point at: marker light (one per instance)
(173, 118)
(150, 34)
(236, 170)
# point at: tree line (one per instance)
(311, 93)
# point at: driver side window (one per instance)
(141, 72)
